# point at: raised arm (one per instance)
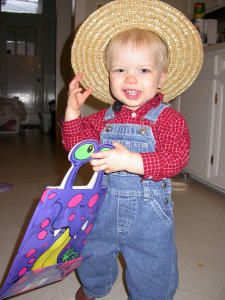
(76, 98)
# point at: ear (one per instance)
(162, 79)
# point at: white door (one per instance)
(21, 61)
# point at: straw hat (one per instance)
(179, 34)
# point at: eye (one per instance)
(119, 70)
(144, 70)
(84, 151)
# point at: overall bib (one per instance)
(137, 220)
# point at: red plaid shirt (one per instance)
(170, 131)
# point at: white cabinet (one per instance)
(217, 175)
(203, 106)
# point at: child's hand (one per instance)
(76, 98)
(117, 159)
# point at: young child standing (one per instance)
(137, 54)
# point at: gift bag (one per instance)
(64, 217)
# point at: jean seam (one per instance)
(159, 211)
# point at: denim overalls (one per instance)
(136, 219)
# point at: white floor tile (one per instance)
(187, 295)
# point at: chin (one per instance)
(134, 103)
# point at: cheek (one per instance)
(114, 83)
(155, 81)
(150, 82)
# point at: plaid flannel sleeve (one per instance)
(172, 147)
(80, 129)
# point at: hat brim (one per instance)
(181, 37)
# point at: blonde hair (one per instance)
(139, 38)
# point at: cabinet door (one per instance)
(217, 175)
(196, 106)
(203, 106)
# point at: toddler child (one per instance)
(151, 143)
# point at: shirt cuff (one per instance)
(69, 127)
(151, 165)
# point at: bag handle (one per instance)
(79, 155)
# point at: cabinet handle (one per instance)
(216, 98)
(212, 159)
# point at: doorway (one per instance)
(27, 59)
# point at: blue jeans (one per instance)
(136, 220)
(142, 230)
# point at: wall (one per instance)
(49, 50)
(181, 5)
(64, 29)
(84, 8)
(63, 47)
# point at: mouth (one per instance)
(49, 257)
(131, 93)
(61, 231)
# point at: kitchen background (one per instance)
(35, 71)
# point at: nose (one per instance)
(131, 78)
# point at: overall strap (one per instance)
(154, 113)
(109, 115)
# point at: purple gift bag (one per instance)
(64, 217)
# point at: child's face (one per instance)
(134, 76)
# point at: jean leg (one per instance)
(99, 269)
(150, 253)
(145, 280)
(98, 274)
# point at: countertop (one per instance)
(216, 47)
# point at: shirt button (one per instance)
(133, 115)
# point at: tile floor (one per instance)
(31, 160)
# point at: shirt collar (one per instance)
(154, 102)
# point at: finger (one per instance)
(100, 154)
(78, 77)
(74, 91)
(117, 145)
(97, 162)
(99, 168)
(76, 80)
(87, 93)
